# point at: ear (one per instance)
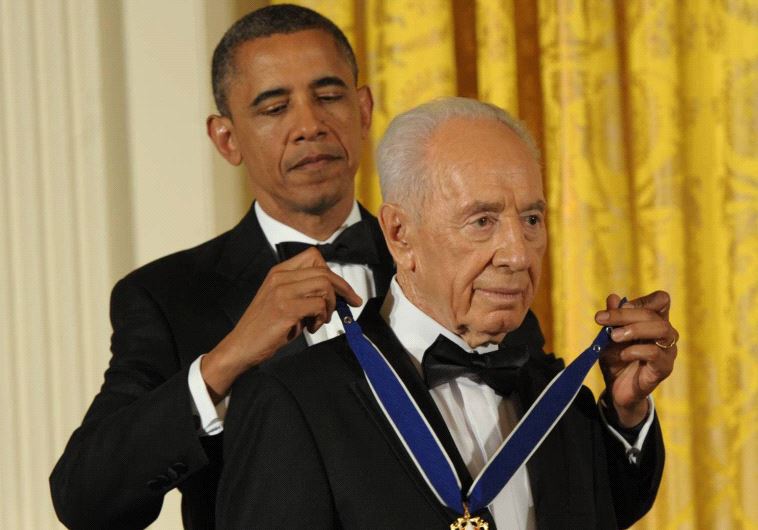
(220, 130)
(396, 226)
(366, 106)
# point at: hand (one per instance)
(296, 294)
(643, 355)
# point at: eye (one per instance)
(533, 220)
(485, 221)
(273, 110)
(330, 97)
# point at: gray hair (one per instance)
(401, 155)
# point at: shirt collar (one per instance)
(276, 232)
(416, 330)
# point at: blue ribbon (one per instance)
(427, 451)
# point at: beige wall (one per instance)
(104, 165)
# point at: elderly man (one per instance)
(185, 326)
(315, 442)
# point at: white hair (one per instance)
(401, 155)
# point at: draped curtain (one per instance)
(647, 115)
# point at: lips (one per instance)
(504, 291)
(502, 295)
(313, 161)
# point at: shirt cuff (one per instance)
(210, 417)
(632, 450)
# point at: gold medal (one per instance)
(469, 523)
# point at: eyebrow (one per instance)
(484, 206)
(278, 92)
(268, 94)
(539, 205)
(329, 80)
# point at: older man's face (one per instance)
(477, 250)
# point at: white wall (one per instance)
(104, 165)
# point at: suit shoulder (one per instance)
(324, 363)
(179, 265)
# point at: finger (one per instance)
(312, 314)
(612, 301)
(318, 286)
(346, 291)
(310, 257)
(640, 352)
(338, 284)
(627, 315)
(318, 313)
(658, 301)
(660, 362)
(650, 330)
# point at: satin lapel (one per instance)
(296, 345)
(382, 336)
(246, 260)
(548, 472)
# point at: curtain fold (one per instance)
(647, 115)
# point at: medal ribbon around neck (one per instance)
(424, 447)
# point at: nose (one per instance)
(512, 250)
(308, 125)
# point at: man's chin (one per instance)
(314, 204)
(500, 323)
(318, 207)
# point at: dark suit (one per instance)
(139, 438)
(312, 449)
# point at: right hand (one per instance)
(297, 294)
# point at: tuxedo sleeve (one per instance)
(138, 438)
(276, 477)
(634, 486)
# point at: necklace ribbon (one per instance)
(424, 447)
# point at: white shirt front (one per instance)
(360, 278)
(478, 418)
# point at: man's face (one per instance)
(478, 246)
(298, 121)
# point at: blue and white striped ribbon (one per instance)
(424, 447)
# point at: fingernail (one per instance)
(602, 316)
(619, 334)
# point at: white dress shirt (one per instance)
(477, 417)
(360, 278)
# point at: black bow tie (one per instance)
(444, 361)
(354, 245)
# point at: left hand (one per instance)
(643, 354)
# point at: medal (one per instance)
(469, 523)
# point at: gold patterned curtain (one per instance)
(647, 113)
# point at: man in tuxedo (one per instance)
(307, 442)
(187, 325)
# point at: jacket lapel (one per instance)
(244, 263)
(247, 258)
(382, 336)
(548, 472)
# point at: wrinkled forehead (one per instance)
(481, 159)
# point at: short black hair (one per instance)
(264, 22)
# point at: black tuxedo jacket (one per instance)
(312, 449)
(139, 437)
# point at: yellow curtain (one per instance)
(647, 113)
